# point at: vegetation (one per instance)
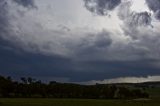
(31, 88)
(76, 102)
(30, 92)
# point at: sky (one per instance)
(82, 41)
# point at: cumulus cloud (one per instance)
(154, 5)
(101, 7)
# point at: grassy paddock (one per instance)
(77, 102)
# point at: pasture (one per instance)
(76, 102)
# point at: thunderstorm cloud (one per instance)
(56, 39)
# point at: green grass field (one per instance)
(76, 102)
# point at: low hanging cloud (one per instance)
(101, 7)
(154, 5)
(125, 80)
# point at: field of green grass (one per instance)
(76, 102)
(154, 92)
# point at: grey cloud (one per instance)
(103, 40)
(7, 33)
(157, 14)
(135, 24)
(26, 3)
(101, 7)
(29, 36)
(140, 19)
(36, 65)
(154, 5)
(3, 13)
(93, 46)
(101, 46)
(132, 18)
(126, 10)
(144, 43)
(4, 19)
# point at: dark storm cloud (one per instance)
(94, 45)
(98, 56)
(154, 5)
(18, 64)
(26, 3)
(103, 40)
(101, 7)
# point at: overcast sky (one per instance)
(80, 40)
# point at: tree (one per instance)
(24, 80)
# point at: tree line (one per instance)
(31, 88)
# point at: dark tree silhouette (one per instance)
(31, 88)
